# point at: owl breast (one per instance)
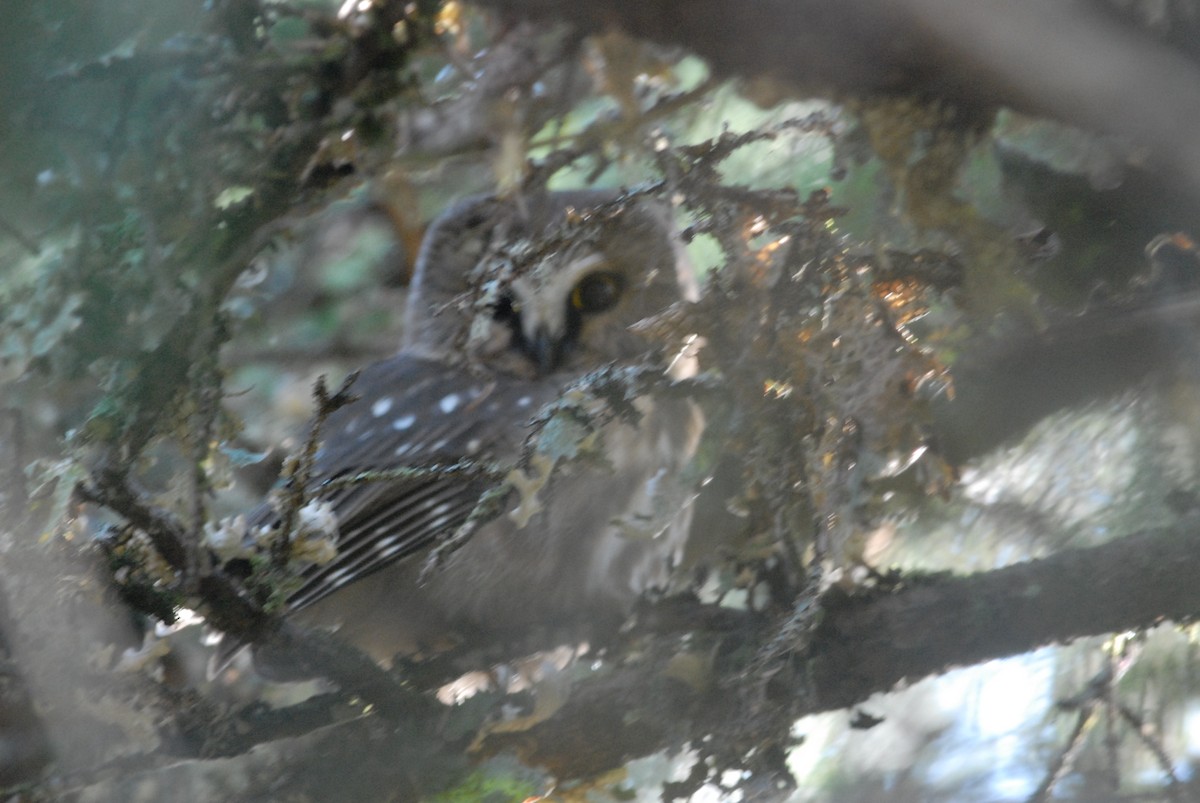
(601, 536)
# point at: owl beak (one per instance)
(547, 350)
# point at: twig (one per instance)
(466, 469)
(1057, 767)
(1155, 746)
(296, 495)
(207, 386)
(489, 506)
(230, 609)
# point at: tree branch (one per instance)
(869, 643)
(230, 609)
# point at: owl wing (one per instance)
(410, 412)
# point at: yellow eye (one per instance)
(596, 292)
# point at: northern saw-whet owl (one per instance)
(466, 384)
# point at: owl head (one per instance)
(544, 284)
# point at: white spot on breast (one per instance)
(381, 406)
(351, 425)
(404, 422)
(474, 445)
(441, 509)
(450, 403)
(524, 401)
(403, 449)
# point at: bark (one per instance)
(871, 643)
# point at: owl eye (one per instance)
(596, 292)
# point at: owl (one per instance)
(555, 295)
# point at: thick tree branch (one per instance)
(869, 643)
(356, 759)
(1134, 582)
